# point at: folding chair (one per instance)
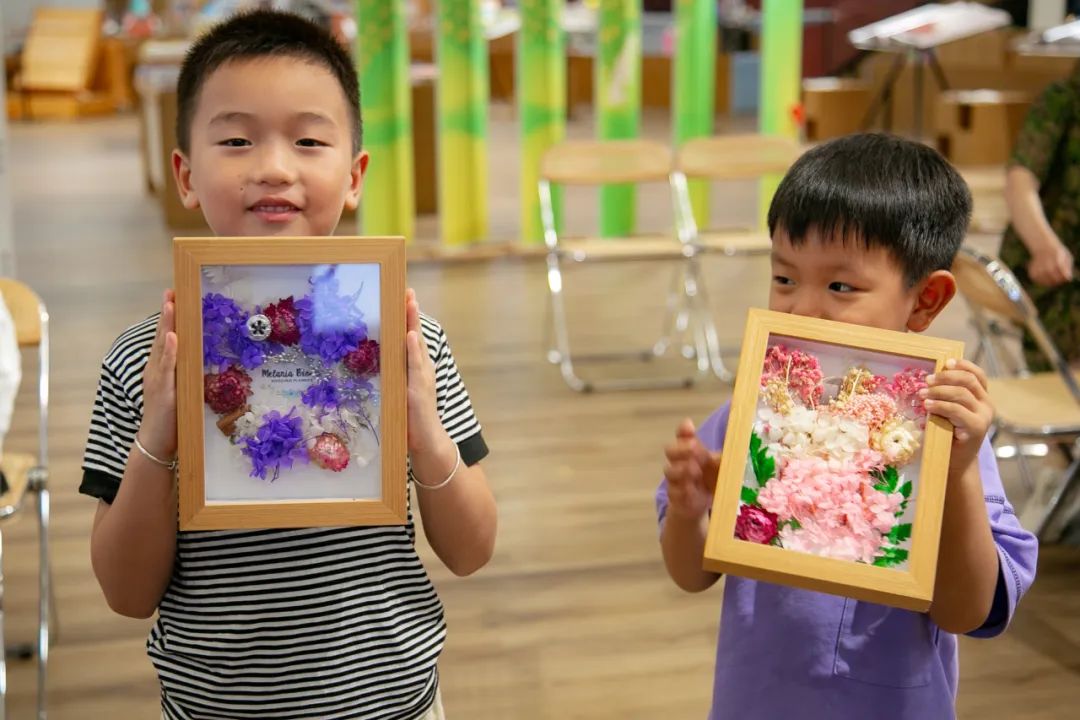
(1041, 406)
(593, 163)
(28, 475)
(721, 159)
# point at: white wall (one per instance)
(7, 221)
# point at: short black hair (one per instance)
(263, 34)
(880, 190)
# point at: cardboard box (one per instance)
(834, 107)
(979, 127)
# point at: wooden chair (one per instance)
(725, 158)
(60, 67)
(1042, 407)
(28, 474)
(594, 163)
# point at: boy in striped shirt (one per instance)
(306, 623)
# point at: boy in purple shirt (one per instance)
(864, 229)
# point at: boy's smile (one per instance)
(271, 150)
(849, 282)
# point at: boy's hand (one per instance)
(959, 394)
(691, 472)
(1051, 265)
(158, 430)
(425, 430)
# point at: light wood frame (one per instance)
(911, 588)
(190, 256)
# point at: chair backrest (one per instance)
(32, 331)
(736, 157)
(596, 162)
(27, 311)
(990, 287)
(62, 49)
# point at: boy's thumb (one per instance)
(686, 429)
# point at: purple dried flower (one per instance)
(331, 325)
(221, 315)
(322, 394)
(278, 443)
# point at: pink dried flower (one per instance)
(872, 410)
(839, 512)
(755, 525)
(800, 370)
(329, 451)
(905, 387)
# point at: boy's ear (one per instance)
(181, 169)
(356, 180)
(932, 295)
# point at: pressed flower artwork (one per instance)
(833, 474)
(291, 381)
(834, 453)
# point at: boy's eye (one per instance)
(310, 142)
(235, 142)
(841, 287)
(781, 280)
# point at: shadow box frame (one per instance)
(911, 588)
(191, 255)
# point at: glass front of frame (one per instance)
(833, 464)
(291, 382)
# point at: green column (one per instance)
(541, 89)
(618, 100)
(781, 79)
(694, 69)
(462, 109)
(389, 203)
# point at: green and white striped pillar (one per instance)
(618, 101)
(389, 203)
(462, 101)
(781, 80)
(694, 70)
(541, 97)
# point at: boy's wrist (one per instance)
(432, 461)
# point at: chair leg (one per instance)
(676, 317)
(561, 354)
(46, 600)
(704, 319)
(1070, 481)
(3, 653)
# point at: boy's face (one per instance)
(271, 151)
(848, 282)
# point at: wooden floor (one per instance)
(575, 617)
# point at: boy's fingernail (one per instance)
(930, 379)
(923, 392)
(950, 363)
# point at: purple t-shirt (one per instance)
(785, 652)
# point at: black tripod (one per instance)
(882, 103)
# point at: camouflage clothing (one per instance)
(1049, 146)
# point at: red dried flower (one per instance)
(756, 525)
(228, 391)
(364, 360)
(328, 451)
(284, 327)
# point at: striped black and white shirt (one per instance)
(308, 623)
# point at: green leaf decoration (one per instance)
(887, 479)
(764, 466)
(899, 534)
(749, 495)
(791, 523)
(905, 490)
(892, 556)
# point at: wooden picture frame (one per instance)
(291, 383)
(776, 512)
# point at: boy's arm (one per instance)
(133, 541)
(683, 502)
(975, 549)
(459, 517)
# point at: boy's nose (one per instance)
(274, 167)
(808, 305)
